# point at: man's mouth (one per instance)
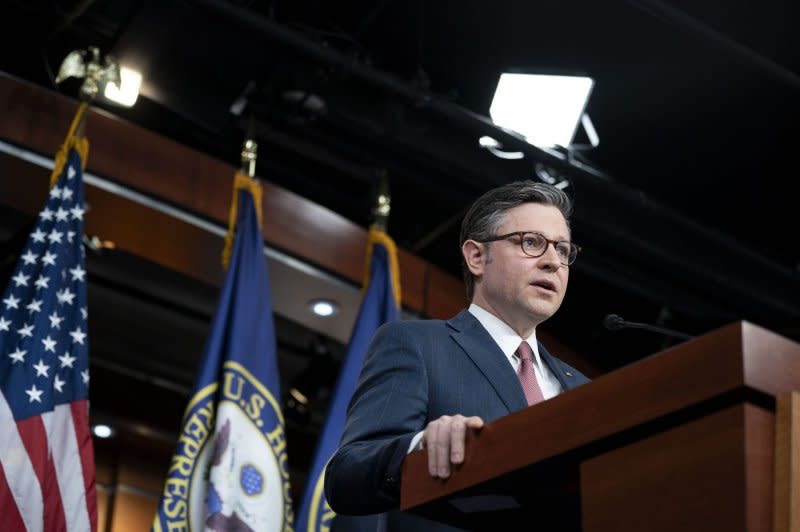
(544, 283)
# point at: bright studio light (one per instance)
(128, 91)
(545, 109)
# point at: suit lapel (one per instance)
(555, 368)
(484, 352)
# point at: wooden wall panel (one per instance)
(105, 481)
(157, 166)
(133, 512)
(444, 294)
(138, 487)
(103, 505)
(413, 281)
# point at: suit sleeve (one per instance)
(388, 407)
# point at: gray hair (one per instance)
(488, 212)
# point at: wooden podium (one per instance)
(684, 440)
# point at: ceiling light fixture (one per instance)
(323, 307)
(544, 109)
(128, 90)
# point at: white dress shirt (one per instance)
(508, 341)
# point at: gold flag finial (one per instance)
(250, 150)
(85, 64)
(249, 155)
(95, 71)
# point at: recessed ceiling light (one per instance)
(323, 307)
(102, 431)
(545, 109)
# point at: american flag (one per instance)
(46, 455)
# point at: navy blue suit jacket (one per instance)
(413, 373)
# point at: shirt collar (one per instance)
(503, 335)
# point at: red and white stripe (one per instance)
(47, 471)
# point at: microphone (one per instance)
(613, 322)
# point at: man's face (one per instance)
(523, 291)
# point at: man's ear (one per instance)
(475, 255)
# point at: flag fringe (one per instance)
(240, 182)
(74, 140)
(377, 236)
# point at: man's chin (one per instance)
(541, 311)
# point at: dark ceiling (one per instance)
(683, 210)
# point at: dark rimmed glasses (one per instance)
(535, 244)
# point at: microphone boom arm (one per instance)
(613, 322)
(655, 328)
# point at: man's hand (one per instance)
(444, 440)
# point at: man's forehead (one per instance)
(535, 217)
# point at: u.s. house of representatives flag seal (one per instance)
(231, 463)
(230, 469)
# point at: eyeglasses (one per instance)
(535, 244)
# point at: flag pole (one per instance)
(250, 150)
(379, 234)
(246, 179)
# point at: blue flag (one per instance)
(380, 305)
(230, 469)
(46, 455)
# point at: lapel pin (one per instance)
(569, 374)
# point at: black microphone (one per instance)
(612, 322)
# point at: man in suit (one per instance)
(425, 383)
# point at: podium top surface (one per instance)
(738, 362)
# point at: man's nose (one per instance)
(550, 259)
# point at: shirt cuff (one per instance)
(416, 442)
